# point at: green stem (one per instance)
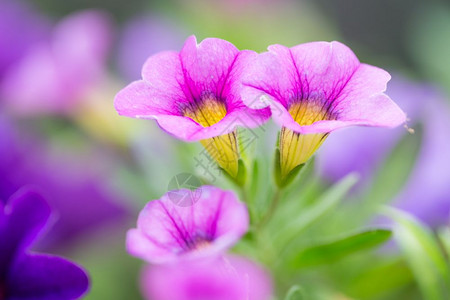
(273, 206)
(249, 201)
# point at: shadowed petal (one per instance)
(25, 215)
(46, 277)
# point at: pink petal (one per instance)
(207, 66)
(229, 277)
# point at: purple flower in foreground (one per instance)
(34, 276)
(316, 88)
(195, 96)
(54, 74)
(224, 278)
(167, 232)
(362, 150)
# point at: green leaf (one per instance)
(444, 238)
(241, 176)
(332, 251)
(326, 203)
(242, 173)
(277, 168)
(423, 255)
(381, 280)
(295, 293)
(291, 176)
(254, 179)
(283, 182)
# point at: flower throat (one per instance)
(223, 148)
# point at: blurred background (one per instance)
(62, 62)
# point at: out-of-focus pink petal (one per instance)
(224, 278)
(54, 74)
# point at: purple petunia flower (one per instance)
(195, 96)
(169, 232)
(316, 88)
(224, 278)
(362, 150)
(55, 73)
(25, 275)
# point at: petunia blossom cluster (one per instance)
(204, 93)
(207, 90)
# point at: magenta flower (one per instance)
(225, 278)
(55, 73)
(195, 96)
(25, 275)
(314, 89)
(168, 232)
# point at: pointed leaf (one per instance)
(332, 251)
(325, 204)
(381, 280)
(295, 293)
(423, 254)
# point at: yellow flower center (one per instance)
(206, 113)
(223, 148)
(307, 112)
(201, 245)
(295, 148)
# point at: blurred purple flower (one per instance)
(427, 192)
(75, 190)
(314, 89)
(20, 28)
(25, 275)
(55, 73)
(223, 278)
(144, 36)
(194, 95)
(167, 232)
